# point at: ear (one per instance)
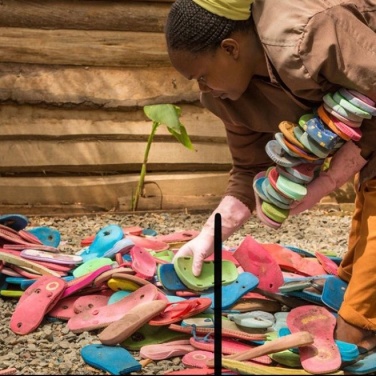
(231, 47)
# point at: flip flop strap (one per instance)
(182, 308)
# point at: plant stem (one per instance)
(141, 180)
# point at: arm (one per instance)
(343, 166)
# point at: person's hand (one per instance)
(201, 247)
(233, 215)
(344, 165)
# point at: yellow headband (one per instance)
(237, 10)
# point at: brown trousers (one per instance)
(358, 266)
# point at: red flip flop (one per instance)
(291, 261)
(255, 259)
(180, 310)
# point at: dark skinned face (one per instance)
(225, 72)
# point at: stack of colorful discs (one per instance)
(300, 150)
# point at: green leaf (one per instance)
(166, 114)
(183, 137)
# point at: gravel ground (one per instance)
(53, 349)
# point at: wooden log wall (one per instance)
(74, 77)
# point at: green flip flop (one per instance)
(273, 212)
(183, 268)
(150, 335)
(291, 189)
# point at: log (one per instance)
(103, 193)
(94, 87)
(82, 47)
(26, 122)
(106, 156)
(147, 16)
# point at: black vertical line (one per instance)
(217, 294)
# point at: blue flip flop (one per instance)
(103, 241)
(169, 279)
(232, 292)
(47, 235)
(15, 221)
(366, 365)
(113, 359)
(333, 292)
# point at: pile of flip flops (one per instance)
(300, 150)
(278, 302)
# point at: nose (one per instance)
(203, 88)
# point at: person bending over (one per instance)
(260, 63)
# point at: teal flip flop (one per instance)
(169, 279)
(104, 240)
(291, 189)
(366, 365)
(113, 359)
(349, 351)
(183, 268)
(235, 290)
(333, 292)
(47, 235)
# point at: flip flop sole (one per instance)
(35, 302)
(322, 356)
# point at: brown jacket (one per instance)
(312, 47)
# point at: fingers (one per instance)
(184, 251)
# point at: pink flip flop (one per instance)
(197, 358)
(35, 302)
(100, 317)
(322, 356)
(143, 263)
(255, 259)
(166, 350)
(328, 265)
(291, 261)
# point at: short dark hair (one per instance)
(192, 28)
